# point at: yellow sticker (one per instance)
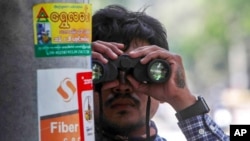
(62, 29)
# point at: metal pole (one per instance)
(18, 71)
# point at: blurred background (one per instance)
(213, 39)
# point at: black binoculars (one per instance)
(156, 71)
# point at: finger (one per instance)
(109, 49)
(104, 50)
(151, 52)
(142, 51)
(100, 57)
(160, 54)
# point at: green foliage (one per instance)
(224, 23)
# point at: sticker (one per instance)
(62, 29)
(58, 107)
(86, 106)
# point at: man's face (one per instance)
(123, 106)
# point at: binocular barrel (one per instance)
(156, 71)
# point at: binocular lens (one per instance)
(97, 70)
(157, 71)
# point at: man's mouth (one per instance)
(122, 104)
(122, 101)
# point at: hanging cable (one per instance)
(100, 114)
(97, 88)
(148, 118)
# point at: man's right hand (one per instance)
(102, 50)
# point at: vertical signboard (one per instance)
(85, 102)
(65, 95)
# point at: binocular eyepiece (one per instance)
(156, 71)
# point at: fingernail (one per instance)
(121, 52)
(131, 52)
(105, 61)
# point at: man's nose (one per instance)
(123, 88)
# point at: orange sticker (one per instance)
(63, 127)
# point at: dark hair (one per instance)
(116, 24)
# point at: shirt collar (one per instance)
(110, 137)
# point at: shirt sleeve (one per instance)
(202, 128)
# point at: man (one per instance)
(124, 106)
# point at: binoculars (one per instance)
(156, 71)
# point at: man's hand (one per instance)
(102, 50)
(175, 91)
